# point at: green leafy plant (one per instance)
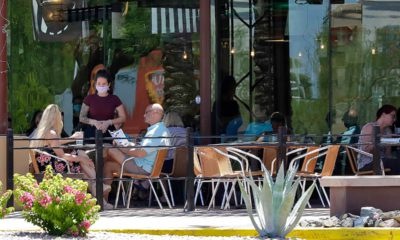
(273, 201)
(3, 202)
(58, 205)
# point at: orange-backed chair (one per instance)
(331, 153)
(179, 168)
(269, 154)
(291, 151)
(155, 176)
(215, 168)
(352, 153)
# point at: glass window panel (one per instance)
(151, 49)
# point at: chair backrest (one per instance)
(211, 162)
(312, 163)
(224, 163)
(179, 168)
(269, 154)
(330, 160)
(159, 162)
(32, 156)
(196, 164)
(352, 156)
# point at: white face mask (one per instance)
(102, 89)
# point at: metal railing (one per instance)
(282, 144)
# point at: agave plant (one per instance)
(273, 201)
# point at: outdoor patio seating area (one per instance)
(207, 175)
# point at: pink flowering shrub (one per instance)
(58, 205)
(3, 202)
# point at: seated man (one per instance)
(144, 157)
(260, 124)
(348, 137)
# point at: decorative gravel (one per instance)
(109, 236)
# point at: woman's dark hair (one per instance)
(103, 73)
(387, 108)
(33, 124)
(278, 118)
(228, 84)
(33, 119)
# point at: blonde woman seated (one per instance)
(49, 128)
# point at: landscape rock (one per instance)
(347, 222)
(331, 222)
(361, 222)
(389, 223)
(370, 212)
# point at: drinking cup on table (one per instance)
(79, 141)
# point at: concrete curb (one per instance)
(308, 233)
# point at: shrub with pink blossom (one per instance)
(58, 205)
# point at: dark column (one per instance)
(376, 152)
(189, 183)
(205, 67)
(99, 168)
(3, 69)
(10, 164)
(282, 149)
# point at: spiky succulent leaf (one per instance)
(298, 209)
(249, 208)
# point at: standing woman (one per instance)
(98, 110)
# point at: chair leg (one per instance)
(155, 194)
(165, 193)
(319, 193)
(232, 191)
(120, 182)
(325, 194)
(170, 192)
(212, 201)
(124, 194)
(224, 197)
(303, 190)
(198, 187)
(201, 199)
(129, 194)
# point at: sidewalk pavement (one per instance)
(147, 220)
(223, 223)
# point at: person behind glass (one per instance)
(385, 117)
(97, 111)
(260, 124)
(277, 120)
(37, 115)
(157, 135)
(228, 119)
(178, 137)
(49, 128)
(348, 137)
